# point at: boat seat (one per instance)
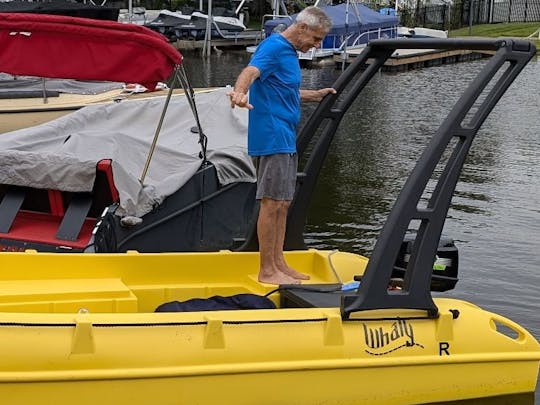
(312, 296)
(54, 217)
(74, 218)
(10, 206)
(67, 295)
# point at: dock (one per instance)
(406, 59)
(241, 39)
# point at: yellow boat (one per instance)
(199, 328)
(81, 328)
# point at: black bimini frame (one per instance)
(178, 77)
(510, 57)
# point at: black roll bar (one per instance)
(510, 57)
(461, 126)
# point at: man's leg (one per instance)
(281, 228)
(267, 231)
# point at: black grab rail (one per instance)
(460, 127)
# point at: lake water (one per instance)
(495, 213)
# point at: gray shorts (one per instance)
(276, 176)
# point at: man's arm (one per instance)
(315, 95)
(239, 96)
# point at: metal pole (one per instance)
(158, 129)
(44, 91)
(208, 34)
(130, 10)
(470, 16)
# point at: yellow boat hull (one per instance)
(80, 328)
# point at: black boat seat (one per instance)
(74, 218)
(10, 206)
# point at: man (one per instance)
(273, 79)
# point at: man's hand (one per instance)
(316, 95)
(239, 99)
(325, 91)
(238, 95)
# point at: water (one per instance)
(495, 213)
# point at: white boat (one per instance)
(32, 101)
(192, 24)
(421, 32)
(137, 15)
(28, 101)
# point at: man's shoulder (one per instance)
(274, 41)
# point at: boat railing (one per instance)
(267, 17)
(357, 41)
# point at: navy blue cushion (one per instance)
(218, 303)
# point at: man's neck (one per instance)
(290, 35)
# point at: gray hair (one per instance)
(314, 18)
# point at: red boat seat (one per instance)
(34, 217)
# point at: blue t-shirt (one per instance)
(275, 96)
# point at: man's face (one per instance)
(310, 37)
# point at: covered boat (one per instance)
(27, 100)
(83, 172)
(353, 24)
(186, 327)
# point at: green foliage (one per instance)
(498, 30)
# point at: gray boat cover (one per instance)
(62, 154)
(9, 83)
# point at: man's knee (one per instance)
(277, 206)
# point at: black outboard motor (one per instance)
(445, 265)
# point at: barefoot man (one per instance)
(273, 79)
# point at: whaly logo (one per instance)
(382, 341)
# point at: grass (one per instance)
(521, 30)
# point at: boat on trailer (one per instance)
(164, 327)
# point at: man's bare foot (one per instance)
(277, 278)
(293, 273)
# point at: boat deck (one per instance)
(26, 112)
(241, 39)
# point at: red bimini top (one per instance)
(63, 47)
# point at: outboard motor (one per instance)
(445, 265)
